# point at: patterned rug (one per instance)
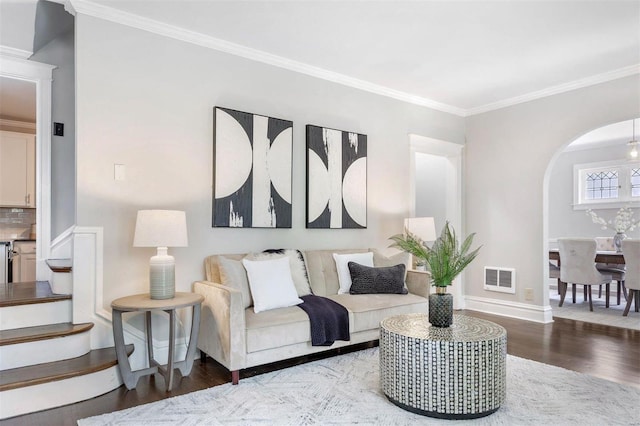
(345, 390)
(600, 315)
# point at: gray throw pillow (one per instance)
(233, 274)
(367, 280)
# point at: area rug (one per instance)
(579, 311)
(345, 390)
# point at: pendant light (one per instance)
(633, 144)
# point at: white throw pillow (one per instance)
(298, 268)
(271, 284)
(234, 275)
(342, 260)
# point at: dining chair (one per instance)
(578, 267)
(631, 253)
(616, 271)
(554, 273)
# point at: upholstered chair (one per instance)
(554, 273)
(577, 257)
(631, 253)
(615, 270)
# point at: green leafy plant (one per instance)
(446, 259)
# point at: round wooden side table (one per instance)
(144, 303)
(458, 372)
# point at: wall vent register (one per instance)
(500, 279)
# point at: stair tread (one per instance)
(42, 332)
(93, 361)
(60, 265)
(26, 293)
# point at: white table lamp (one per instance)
(161, 229)
(423, 228)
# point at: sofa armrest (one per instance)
(418, 282)
(222, 324)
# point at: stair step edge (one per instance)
(29, 293)
(44, 373)
(42, 332)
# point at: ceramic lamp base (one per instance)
(162, 277)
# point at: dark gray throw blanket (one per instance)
(329, 320)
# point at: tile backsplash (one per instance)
(16, 220)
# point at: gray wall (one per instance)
(147, 101)
(60, 52)
(508, 152)
(564, 221)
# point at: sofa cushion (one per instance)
(384, 279)
(368, 310)
(298, 267)
(342, 261)
(212, 269)
(271, 284)
(276, 328)
(380, 259)
(323, 275)
(234, 275)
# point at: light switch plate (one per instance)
(118, 172)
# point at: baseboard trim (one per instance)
(536, 313)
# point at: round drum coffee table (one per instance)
(457, 372)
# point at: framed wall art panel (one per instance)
(336, 178)
(252, 170)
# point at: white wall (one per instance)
(60, 52)
(430, 188)
(564, 221)
(507, 154)
(147, 102)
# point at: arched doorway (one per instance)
(600, 150)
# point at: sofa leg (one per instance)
(203, 356)
(235, 377)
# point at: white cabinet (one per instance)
(17, 169)
(24, 263)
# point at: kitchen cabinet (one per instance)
(24, 261)
(17, 169)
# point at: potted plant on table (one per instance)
(445, 259)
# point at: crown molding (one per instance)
(107, 13)
(561, 88)
(150, 25)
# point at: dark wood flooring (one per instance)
(610, 353)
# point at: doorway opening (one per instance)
(435, 188)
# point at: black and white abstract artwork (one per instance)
(336, 178)
(252, 176)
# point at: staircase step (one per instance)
(43, 332)
(28, 293)
(94, 361)
(60, 265)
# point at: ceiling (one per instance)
(464, 56)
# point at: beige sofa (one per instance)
(239, 338)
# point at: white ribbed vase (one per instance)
(162, 277)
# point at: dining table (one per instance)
(601, 256)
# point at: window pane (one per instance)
(635, 182)
(602, 185)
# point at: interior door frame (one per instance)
(453, 154)
(40, 74)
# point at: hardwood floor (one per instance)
(610, 353)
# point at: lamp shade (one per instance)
(422, 227)
(160, 228)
